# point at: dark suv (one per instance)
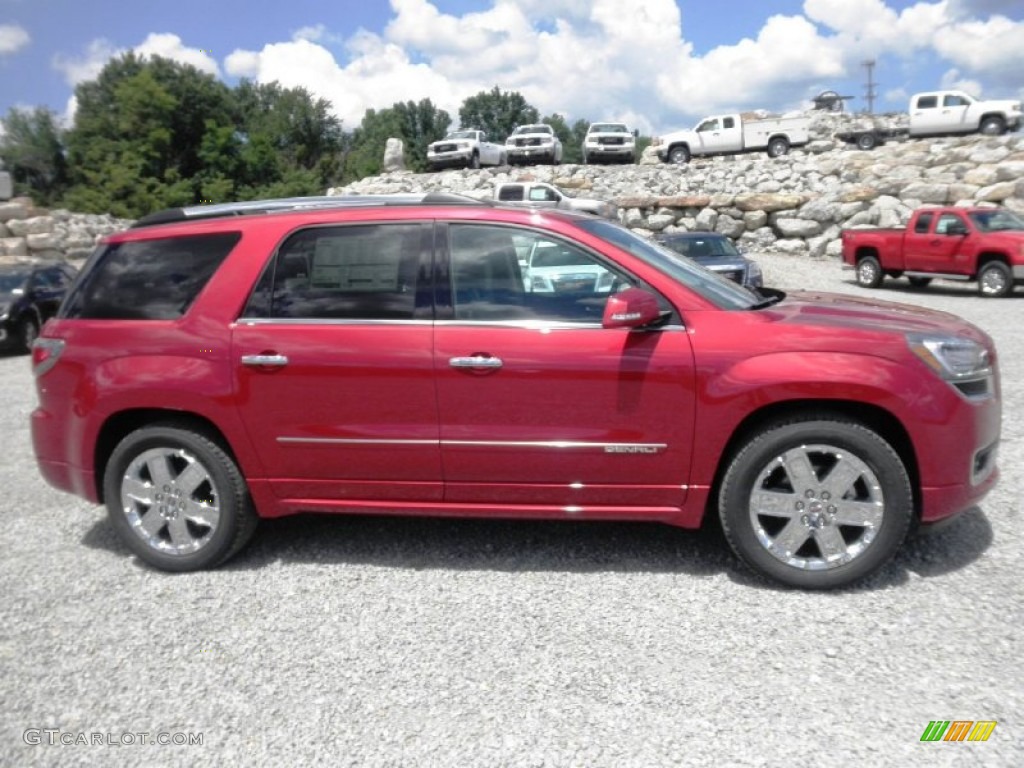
(387, 355)
(716, 252)
(29, 296)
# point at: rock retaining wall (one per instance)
(796, 204)
(28, 233)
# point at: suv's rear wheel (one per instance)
(177, 499)
(816, 504)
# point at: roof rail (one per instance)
(255, 207)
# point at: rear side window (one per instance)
(375, 272)
(924, 221)
(510, 192)
(148, 279)
(928, 102)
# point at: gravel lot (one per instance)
(398, 642)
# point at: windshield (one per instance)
(532, 129)
(700, 247)
(720, 291)
(997, 220)
(461, 135)
(608, 128)
(11, 282)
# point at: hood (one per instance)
(1010, 239)
(850, 312)
(721, 263)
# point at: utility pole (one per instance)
(869, 65)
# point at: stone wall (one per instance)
(797, 203)
(28, 233)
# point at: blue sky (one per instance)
(660, 64)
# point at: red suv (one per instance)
(219, 364)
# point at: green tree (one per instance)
(497, 112)
(420, 123)
(32, 150)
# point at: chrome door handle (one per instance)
(476, 361)
(265, 360)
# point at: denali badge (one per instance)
(633, 448)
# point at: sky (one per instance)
(659, 65)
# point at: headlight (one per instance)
(962, 362)
(753, 270)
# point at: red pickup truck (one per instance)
(982, 244)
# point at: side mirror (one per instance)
(631, 308)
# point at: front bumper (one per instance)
(609, 150)
(447, 159)
(530, 153)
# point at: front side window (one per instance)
(374, 272)
(950, 224)
(502, 273)
(148, 279)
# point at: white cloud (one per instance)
(994, 47)
(12, 39)
(89, 66)
(954, 80)
(171, 47)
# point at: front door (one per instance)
(540, 405)
(939, 250)
(334, 366)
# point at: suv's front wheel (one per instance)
(177, 499)
(816, 504)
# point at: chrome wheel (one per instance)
(170, 501)
(869, 272)
(816, 507)
(994, 280)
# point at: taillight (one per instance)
(45, 353)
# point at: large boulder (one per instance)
(394, 156)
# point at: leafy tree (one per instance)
(497, 112)
(32, 150)
(420, 124)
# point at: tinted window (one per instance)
(729, 122)
(558, 282)
(927, 102)
(924, 221)
(371, 272)
(149, 279)
(510, 192)
(10, 282)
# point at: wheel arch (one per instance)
(120, 424)
(987, 257)
(863, 251)
(874, 417)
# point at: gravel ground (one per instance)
(397, 642)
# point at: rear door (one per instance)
(540, 405)
(335, 369)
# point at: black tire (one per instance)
(919, 282)
(869, 272)
(679, 155)
(474, 161)
(819, 529)
(867, 141)
(28, 332)
(992, 125)
(778, 146)
(222, 518)
(995, 280)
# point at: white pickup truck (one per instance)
(469, 148)
(939, 112)
(729, 134)
(543, 195)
